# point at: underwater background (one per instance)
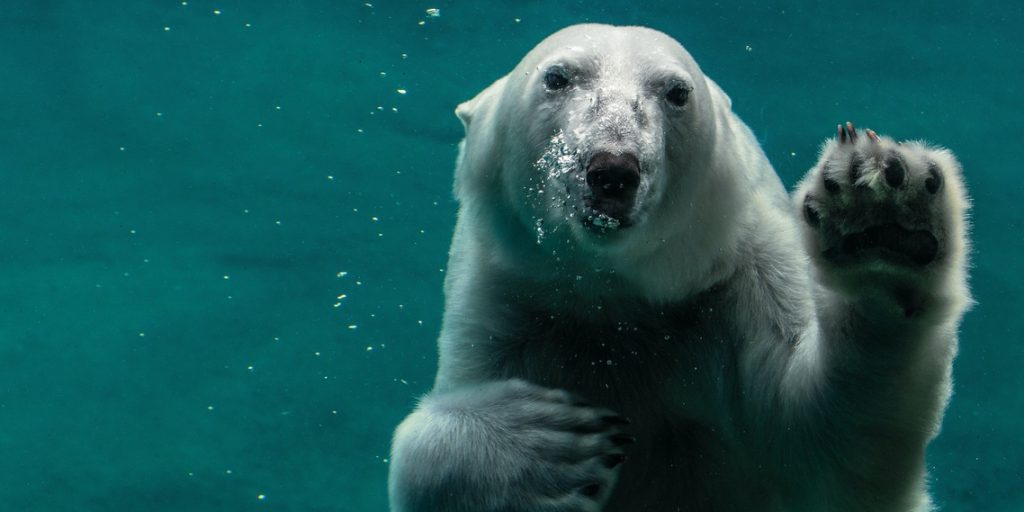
(224, 225)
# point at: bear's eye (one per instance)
(677, 95)
(556, 79)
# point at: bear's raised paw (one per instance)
(871, 201)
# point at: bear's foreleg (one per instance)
(884, 225)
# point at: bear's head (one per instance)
(602, 144)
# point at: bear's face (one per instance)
(604, 145)
(611, 124)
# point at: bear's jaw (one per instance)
(600, 216)
(599, 223)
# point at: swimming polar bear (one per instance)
(639, 319)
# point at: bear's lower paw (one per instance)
(543, 450)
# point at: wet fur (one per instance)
(757, 375)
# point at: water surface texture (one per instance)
(224, 225)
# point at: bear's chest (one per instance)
(670, 371)
(677, 360)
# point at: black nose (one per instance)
(613, 177)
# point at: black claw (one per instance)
(613, 460)
(810, 214)
(840, 133)
(615, 419)
(622, 439)
(851, 132)
(856, 166)
(895, 172)
(590, 490)
(934, 181)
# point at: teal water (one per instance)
(186, 190)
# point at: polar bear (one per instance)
(638, 318)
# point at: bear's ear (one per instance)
(719, 96)
(481, 104)
(478, 165)
(465, 112)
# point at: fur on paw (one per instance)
(553, 451)
(873, 202)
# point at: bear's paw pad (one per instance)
(872, 199)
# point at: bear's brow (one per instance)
(577, 64)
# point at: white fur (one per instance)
(758, 375)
